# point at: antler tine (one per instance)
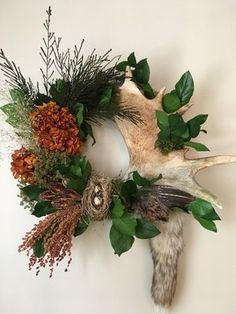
(159, 96)
(185, 108)
(201, 163)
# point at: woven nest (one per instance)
(96, 198)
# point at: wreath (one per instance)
(57, 181)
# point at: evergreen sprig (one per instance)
(46, 52)
(15, 78)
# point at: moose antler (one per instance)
(176, 169)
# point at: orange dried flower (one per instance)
(56, 128)
(22, 165)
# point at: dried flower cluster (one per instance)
(22, 165)
(60, 196)
(57, 231)
(56, 128)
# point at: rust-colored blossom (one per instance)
(56, 128)
(22, 165)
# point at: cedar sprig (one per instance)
(46, 52)
(15, 78)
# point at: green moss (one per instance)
(46, 166)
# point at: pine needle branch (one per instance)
(15, 78)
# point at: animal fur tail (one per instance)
(166, 249)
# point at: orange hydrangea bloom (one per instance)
(56, 128)
(22, 165)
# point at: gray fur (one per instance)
(166, 249)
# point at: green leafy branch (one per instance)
(125, 226)
(181, 95)
(175, 133)
(203, 212)
(140, 74)
(41, 208)
(77, 173)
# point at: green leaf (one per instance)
(79, 113)
(195, 124)
(11, 112)
(199, 147)
(32, 191)
(81, 169)
(43, 208)
(122, 66)
(117, 209)
(82, 226)
(139, 180)
(171, 102)
(60, 92)
(120, 242)
(200, 207)
(162, 119)
(177, 125)
(76, 160)
(212, 216)
(126, 224)
(105, 97)
(142, 71)
(85, 130)
(76, 170)
(77, 185)
(38, 248)
(145, 229)
(147, 90)
(185, 87)
(17, 95)
(87, 170)
(63, 169)
(128, 190)
(132, 60)
(207, 224)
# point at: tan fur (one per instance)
(166, 249)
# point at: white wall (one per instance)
(175, 36)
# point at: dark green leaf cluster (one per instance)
(175, 133)
(140, 74)
(41, 208)
(125, 226)
(181, 95)
(204, 213)
(77, 173)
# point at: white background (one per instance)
(175, 36)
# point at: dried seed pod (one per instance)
(97, 197)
